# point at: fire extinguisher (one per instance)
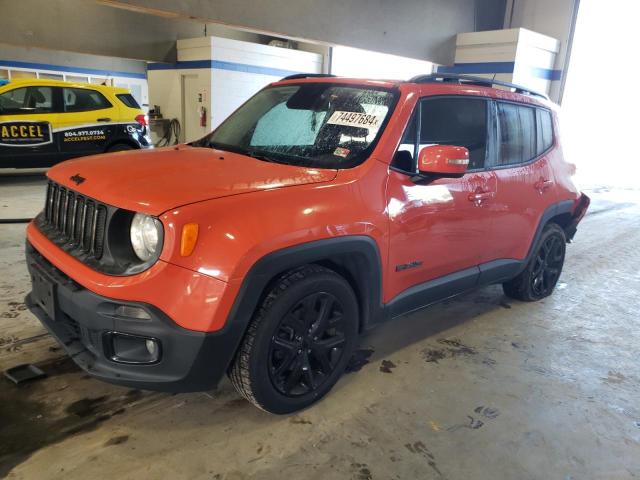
(203, 116)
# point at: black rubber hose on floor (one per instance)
(14, 220)
(172, 131)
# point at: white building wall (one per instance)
(228, 72)
(353, 62)
(515, 55)
(166, 91)
(232, 86)
(553, 18)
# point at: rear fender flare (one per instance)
(565, 206)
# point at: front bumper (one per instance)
(82, 321)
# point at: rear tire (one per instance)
(119, 147)
(539, 278)
(299, 341)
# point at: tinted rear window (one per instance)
(545, 130)
(517, 133)
(128, 100)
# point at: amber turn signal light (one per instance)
(189, 239)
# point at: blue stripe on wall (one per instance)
(498, 67)
(546, 73)
(489, 67)
(61, 68)
(220, 65)
(240, 67)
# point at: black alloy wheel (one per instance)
(307, 345)
(541, 274)
(299, 340)
(547, 266)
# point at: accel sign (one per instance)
(25, 133)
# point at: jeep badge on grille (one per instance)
(77, 179)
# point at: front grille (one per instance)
(76, 220)
(80, 225)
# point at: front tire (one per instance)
(539, 278)
(299, 341)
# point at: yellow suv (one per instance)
(43, 122)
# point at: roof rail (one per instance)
(297, 76)
(471, 80)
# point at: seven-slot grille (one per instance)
(79, 220)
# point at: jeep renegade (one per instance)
(320, 208)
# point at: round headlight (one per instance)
(146, 234)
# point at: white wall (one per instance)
(599, 112)
(353, 62)
(549, 17)
(165, 90)
(230, 88)
(529, 52)
(235, 71)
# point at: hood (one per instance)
(154, 181)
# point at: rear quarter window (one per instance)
(545, 130)
(128, 100)
(83, 99)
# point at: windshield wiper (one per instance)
(257, 154)
(261, 156)
(217, 146)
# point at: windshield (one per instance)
(318, 125)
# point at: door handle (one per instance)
(542, 184)
(479, 197)
(103, 119)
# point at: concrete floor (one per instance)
(481, 387)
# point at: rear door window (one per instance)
(83, 99)
(517, 134)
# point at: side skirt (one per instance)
(439, 289)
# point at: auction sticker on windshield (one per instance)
(355, 119)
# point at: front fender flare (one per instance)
(358, 256)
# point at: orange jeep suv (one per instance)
(320, 208)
